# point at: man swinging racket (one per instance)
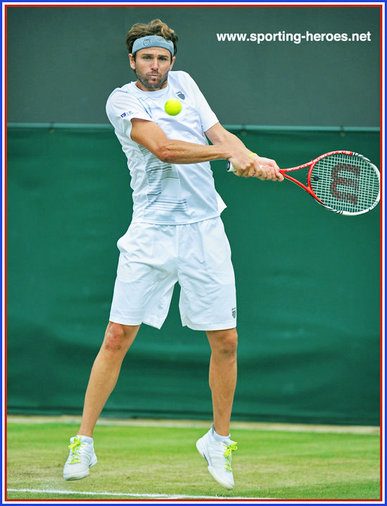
(176, 235)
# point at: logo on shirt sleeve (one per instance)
(127, 113)
(181, 95)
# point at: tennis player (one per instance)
(176, 235)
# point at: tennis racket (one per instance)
(342, 181)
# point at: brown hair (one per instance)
(155, 27)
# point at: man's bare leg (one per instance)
(104, 373)
(223, 375)
(217, 447)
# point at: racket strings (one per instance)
(346, 183)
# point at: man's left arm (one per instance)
(243, 157)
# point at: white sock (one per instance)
(218, 437)
(86, 439)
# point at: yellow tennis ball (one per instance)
(172, 106)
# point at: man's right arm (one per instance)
(131, 120)
(153, 138)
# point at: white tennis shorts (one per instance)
(154, 257)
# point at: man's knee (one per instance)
(119, 337)
(224, 341)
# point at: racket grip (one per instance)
(230, 167)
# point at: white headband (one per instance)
(152, 41)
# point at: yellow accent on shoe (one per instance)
(228, 454)
(75, 447)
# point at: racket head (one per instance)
(345, 182)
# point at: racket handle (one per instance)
(230, 167)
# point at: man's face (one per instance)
(152, 66)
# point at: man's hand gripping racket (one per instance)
(342, 181)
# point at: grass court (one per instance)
(143, 462)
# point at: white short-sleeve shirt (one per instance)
(166, 193)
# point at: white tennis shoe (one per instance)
(218, 456)
(80, 459)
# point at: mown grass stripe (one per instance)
(122, 494)
(194, 424)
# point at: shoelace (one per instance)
(228, 454)
(75, 448)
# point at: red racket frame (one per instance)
(311, 164)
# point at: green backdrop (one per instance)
(308, 286)
(63, 62)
